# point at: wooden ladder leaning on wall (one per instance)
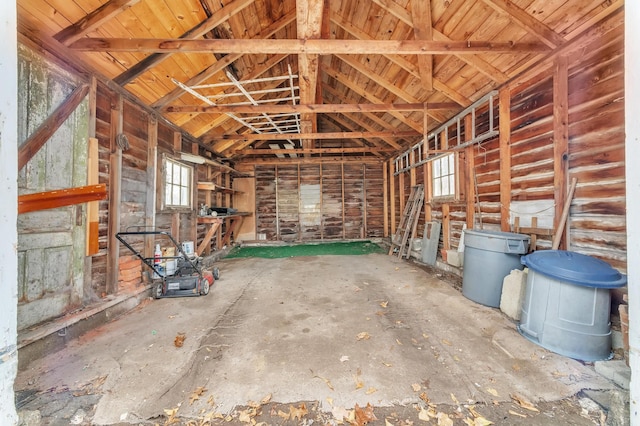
(408, 223)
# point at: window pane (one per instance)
(176, 175)
(445, 165)
(445, 186)
(451, 163)
(436, 169)
(436, 188)
(184, 199)
(185, 176)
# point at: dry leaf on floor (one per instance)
(330, 401)
(298, 413)
(454, 399)
(424, 415)
(315, 376)
(384, 304)
(246, 416)
(387, 364)
(363, 336)
(283, 415)
(340, 414)
(171, 416)
(426, 336)
(387, 423)
(515, 413)
(344, 358)
(399, 342)
(364, 415)
(446, 342)
(424, 397)
(524, 403)
(195, 395)
(416, 387)
(266, 399)
(492, 391)
(359, 383)
(444, 419)
(210, 400)
(371, 390)
(179, 340)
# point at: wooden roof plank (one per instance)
(328, 135)
(310, 108)
(198, 31)
(93, 20)
(531, 24)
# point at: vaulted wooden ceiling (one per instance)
(265, 78)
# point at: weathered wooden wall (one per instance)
(50, 242)
(596, 223)
(319, 201)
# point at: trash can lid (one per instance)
(575, 268)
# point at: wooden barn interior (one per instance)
(309, 121)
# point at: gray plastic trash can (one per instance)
(567, 303)
(489, 256)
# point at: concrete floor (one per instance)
(339, 330)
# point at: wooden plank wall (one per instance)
(597, 222)
(319, 201)
(134, 187)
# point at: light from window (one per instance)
(177, 184)
(444, 175)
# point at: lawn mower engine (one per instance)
(183, 285)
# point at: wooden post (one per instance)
(385, 200)
(152, 178)
(93, 207)
(193, 229)
(470, 157)
(401, 194)
(392, 197)
(560, 141)
(428, 192)
(446, 228)
(115, 176)
(505, 157)
(342, 197)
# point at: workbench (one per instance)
(214, 223)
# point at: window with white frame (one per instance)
(444, 176)
(177, 184)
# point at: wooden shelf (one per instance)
(210, 186)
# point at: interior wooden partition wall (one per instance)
(316, 200)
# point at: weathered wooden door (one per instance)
(50, 242)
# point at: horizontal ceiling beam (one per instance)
(329, 135)
(313, 151)
(317, 108)
(290, 46)
(337, 159)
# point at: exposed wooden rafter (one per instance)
(199, 30)
(93, 20)
(528, 22)
(222, 63)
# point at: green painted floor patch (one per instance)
(295, 250)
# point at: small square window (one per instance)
(443, 172)
(177, 184)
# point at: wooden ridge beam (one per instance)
(309, 108)
(93, 20)
(296, 47)
(44, 132)
(61, 197)
(328, 135)
(199, 30)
